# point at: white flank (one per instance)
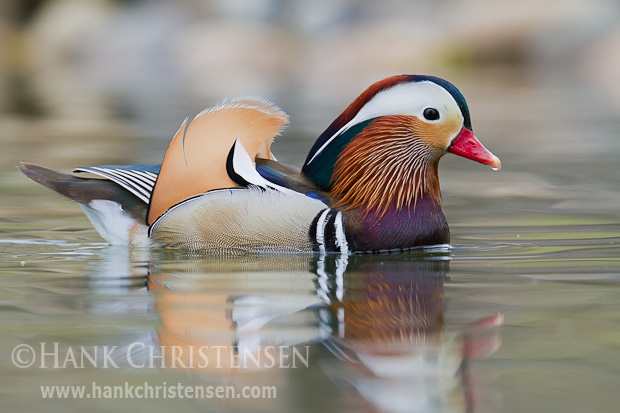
(403, 99)
(114, 225)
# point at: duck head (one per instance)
(382, 152)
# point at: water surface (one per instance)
(535, 245)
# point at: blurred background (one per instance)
(119, 69)
(88, 82)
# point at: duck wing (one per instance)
(196, 160)
(137, 179)
(290, 177)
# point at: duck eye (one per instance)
(431, 114)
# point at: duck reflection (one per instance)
(381, 318)
(388, 319)
(235, 313)
(387, 315)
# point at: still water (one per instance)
(522, 314)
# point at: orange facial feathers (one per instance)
(195, 161)
(390, 163)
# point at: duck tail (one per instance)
(116, 214)
(64, 184)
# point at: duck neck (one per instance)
(383, 175)
(385, 166)
(388, 187)
(397, 228)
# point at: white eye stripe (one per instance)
(403, 99)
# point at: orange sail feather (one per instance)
(195, 161)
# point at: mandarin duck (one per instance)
(369, 182)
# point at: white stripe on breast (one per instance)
(320, 231)
(341, 239)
